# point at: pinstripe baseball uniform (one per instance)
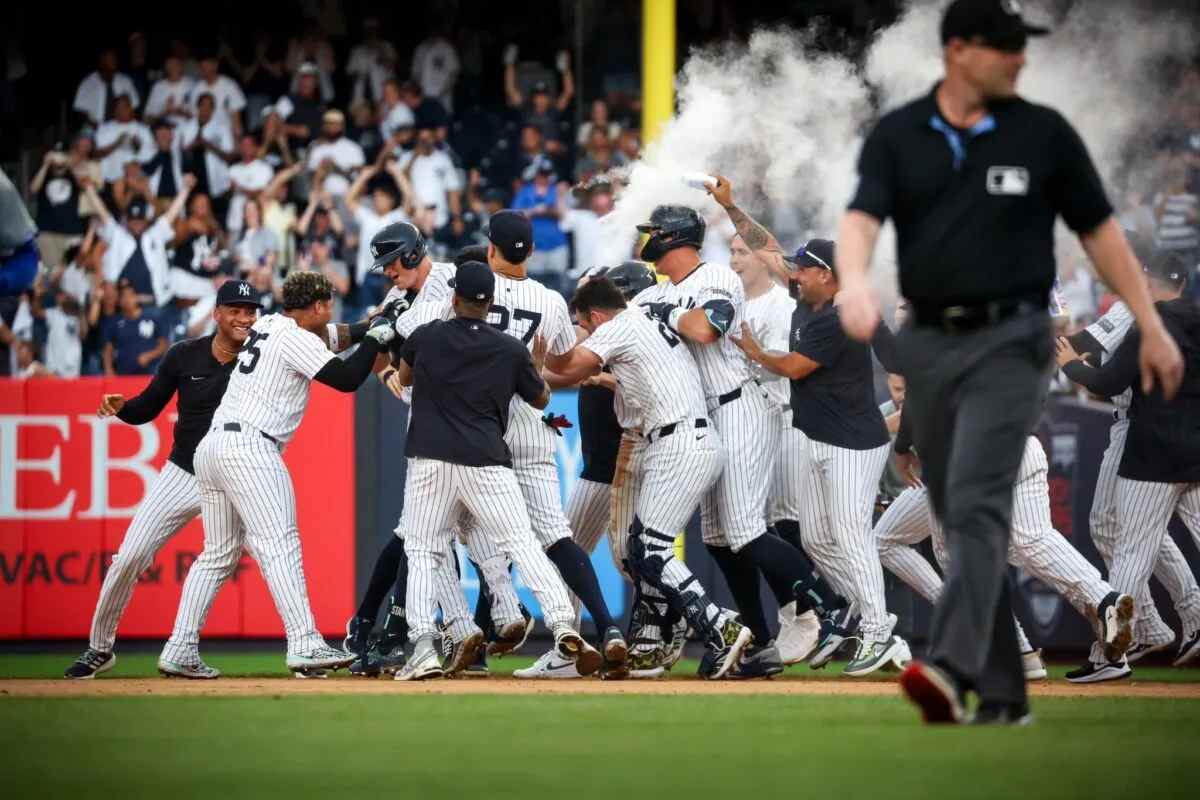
(465, 375)
(1171, 568)
(733, 513)
(172, 500)
(246, 493)
(770, 318)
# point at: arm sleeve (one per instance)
(876, 177)
(1115, 376)
(823, 340)
(1075, 189)
(1084, 342)
(529, 384)
(884, 345)
(1110, 329)
(305, 352)
(348, 375)
(147, 405)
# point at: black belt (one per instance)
(960, 319)
(667, 430)
(729, 397)
(237, 428)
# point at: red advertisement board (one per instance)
(70, 483)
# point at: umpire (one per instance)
(973, 177)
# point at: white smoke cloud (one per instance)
(783, 120)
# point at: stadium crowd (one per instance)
(217, 164)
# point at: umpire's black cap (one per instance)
(997, 23)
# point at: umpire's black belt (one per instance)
(667, 430)
(965, 318)
(237, 428)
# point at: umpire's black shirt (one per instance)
(834, 403)
(465, 372)
(1163, 443)
(599, 434)
(974, 209)
(190, 369)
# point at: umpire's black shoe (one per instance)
(90, 664)
(1002, 714)
(358, 636)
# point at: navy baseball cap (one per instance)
(139, 209)
(816, 253)
(1166, 267)
(473, 281)
(997, 23)
(512, 233)
(238, 293)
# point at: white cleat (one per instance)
(193, 670)
(551, 666)
(425, 662)
(324, 657)
(1034, 667)
(798, 635)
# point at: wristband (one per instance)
(674, 317)
(332, 335)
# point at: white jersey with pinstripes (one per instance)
(1110, 331)
(770, 319)
(431, 303)
(268, 391)
(656, 373)
(722, 365)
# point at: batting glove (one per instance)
(667, 313)
(382, 330)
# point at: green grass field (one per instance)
(565, 746)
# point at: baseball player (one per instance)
(464, 374)
(198, 369)
(246, 494)
(682, 459)
(833, 403)
(768, 312)
(1159, 470)
(700, 303)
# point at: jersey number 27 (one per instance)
(533, 317)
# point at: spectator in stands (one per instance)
(389, 193)
(317, 258)
(598, 158)
(164, 168)
(134, 341)
(313, 49)
(371, 63)
(275, 149)
(27, 364)
(435, 66)
(101, 310)
(264, 76)
(136, 66)
(65, 329)
(583, 223)
(396, 119)
(247, 178)
(334, 156)
(85, 167)
(207, 143)
(133, 185)
(279, 216)
(531, 152)
(57, 192)
(170, 96)
(629, 146)
(95, 95)
(258, 246)
(437, 190)
(598, 119)
(303, 108)
(75, 275)
(427, 112)
(363, 130)
(121, 139)
(538, 198)
(225, 92)
(270, 289)
(1177, 213)
(542, 110)
(199, 244)
(321, 220)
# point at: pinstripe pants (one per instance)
(628, 478)
(246, 499)
(1170, 567)
(172, 502)
(787, 476)
(732, 514)
(839, 499)
(434, 495)
(587, 514)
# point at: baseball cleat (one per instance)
(674, 649)
(477, 668)
(1034, 667)
(1139, 650)
(1098, 673)
(1002, 714)
(1115, 615)
(550, 666)
(460, 655)
(511, 636)
(900, 659)
(90, 664)
(647, 664)
(424, 663)
(934, 692)
(798, 634)
(322, 657)
(872, 656)
(1188, 649)
(193, 670)
(837, 625)
(616, 650)
(384, 658)
(589, 661)
(568, 642)
(758, 662)
(719, 659)
(309, 673)
(358, 636)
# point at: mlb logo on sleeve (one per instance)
(1008, 180)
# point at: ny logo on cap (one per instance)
(244, 289)
(518, 245)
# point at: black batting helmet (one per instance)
(670, 227)
(399, 240)
(631, 277)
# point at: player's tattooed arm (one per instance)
(760, 240)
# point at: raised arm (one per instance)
(568, 81)
(89, 189)
(511, 92)
(756, 237)
(354, 193)
(176, 208)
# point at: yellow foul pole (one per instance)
(658, 66)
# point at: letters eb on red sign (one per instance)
(71, 482)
